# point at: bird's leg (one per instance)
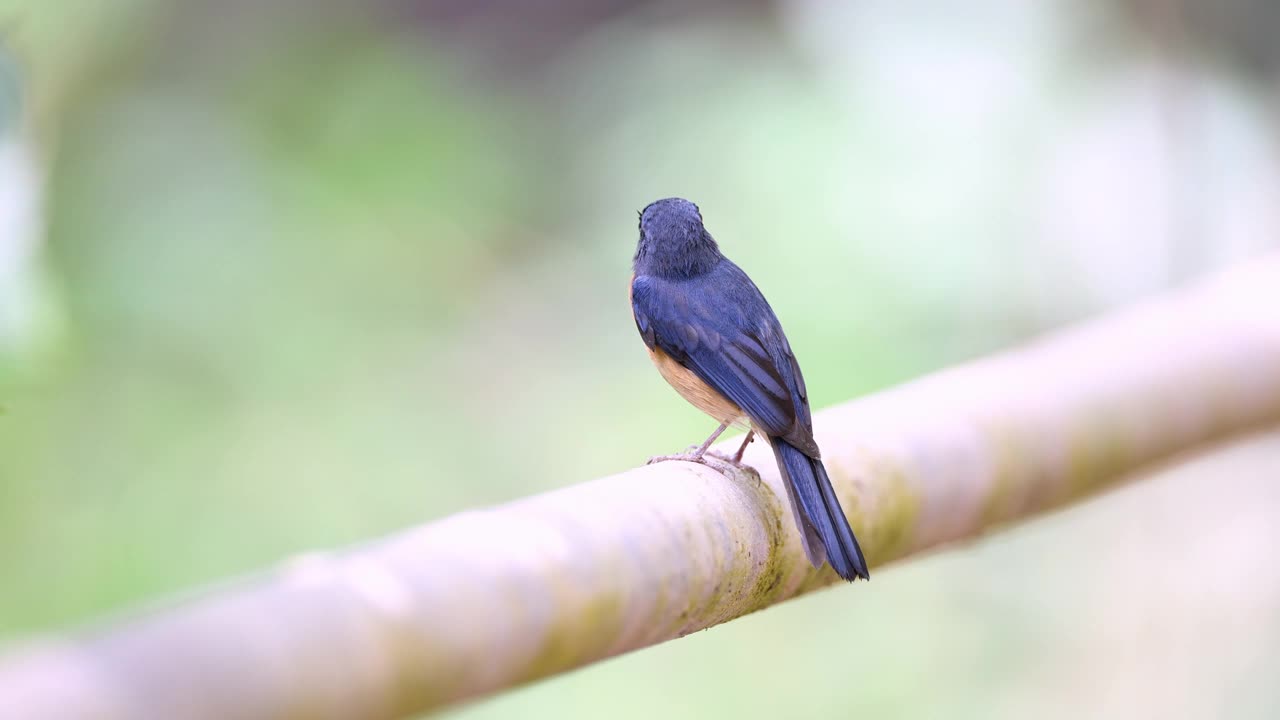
(697, 455)
(736, 458)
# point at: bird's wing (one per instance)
(722, 329)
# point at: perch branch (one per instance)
(494, 598)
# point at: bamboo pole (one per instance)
(490, 599)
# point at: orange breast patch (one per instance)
(698, 393)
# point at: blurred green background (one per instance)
(284, 275)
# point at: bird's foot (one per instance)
(734, 460)
(690, 454)
(711, 460)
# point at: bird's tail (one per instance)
(823, 526)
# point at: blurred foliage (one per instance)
(310, 272)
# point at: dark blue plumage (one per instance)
(712, 333)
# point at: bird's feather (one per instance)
(700, 324)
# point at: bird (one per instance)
(715, 339)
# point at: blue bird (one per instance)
(714, 338)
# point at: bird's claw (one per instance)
(711, 460)
(734, 460)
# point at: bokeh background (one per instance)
(287, 274)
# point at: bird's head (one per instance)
(673, 242)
